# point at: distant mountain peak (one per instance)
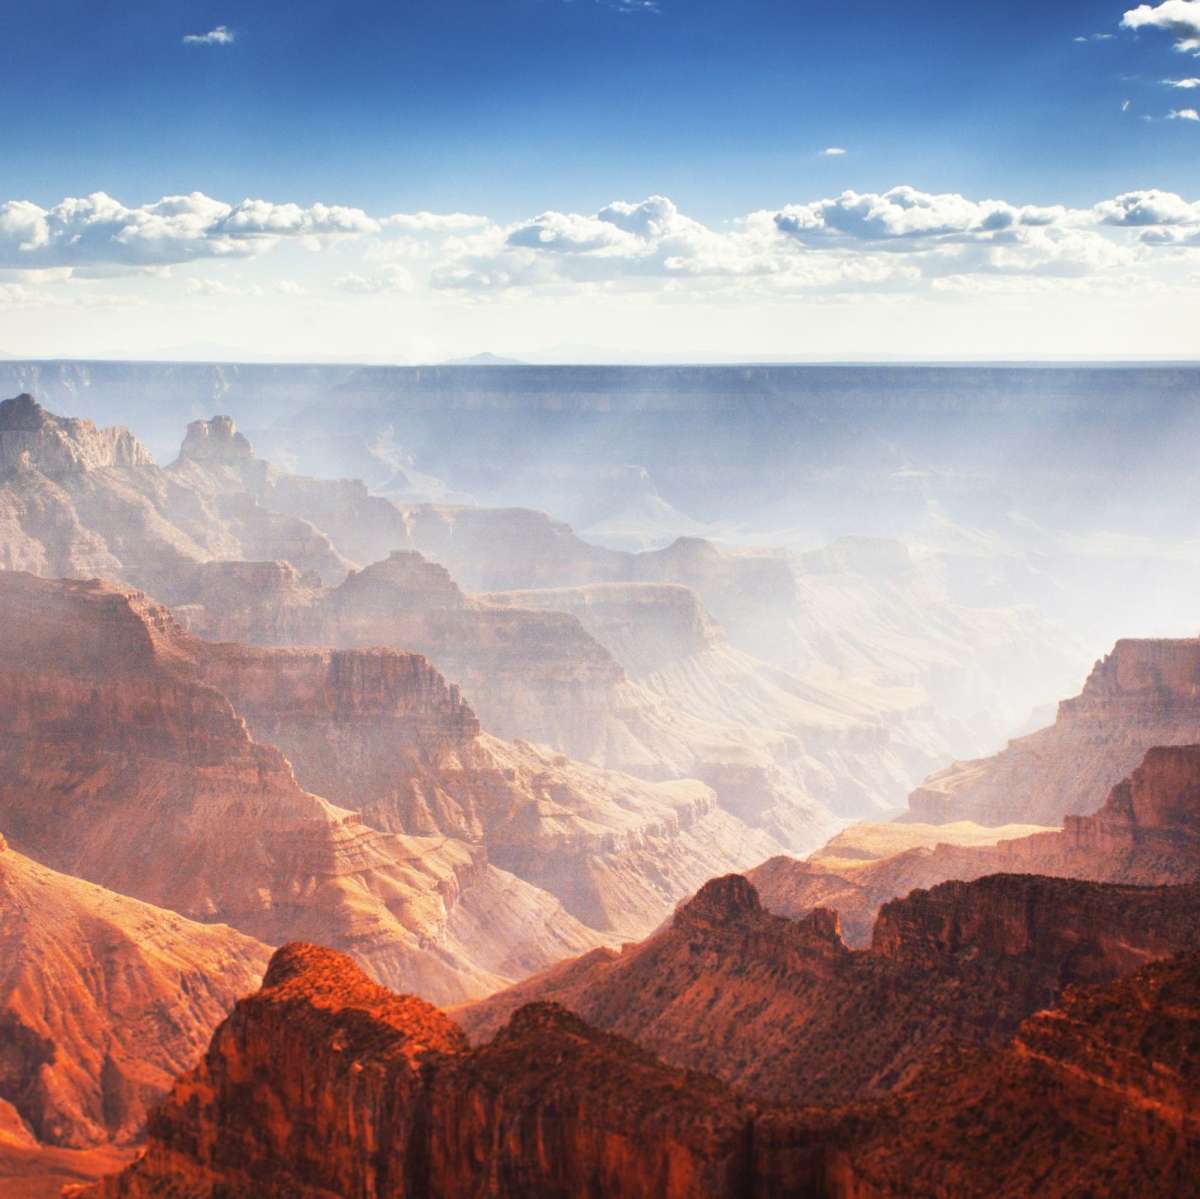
(483, 359)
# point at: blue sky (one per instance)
(514, 108)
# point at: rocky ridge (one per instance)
(785, 1011)
(113, 741)
(1147, 832)
(1144, 693)
(323, 1083)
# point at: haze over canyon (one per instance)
(503, 781)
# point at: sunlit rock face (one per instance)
(784, 1010)
(1143, 694)
(103, 1001)
(1147, 832)
(1099, 1093)
(344, 795)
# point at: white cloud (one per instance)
(1183, 114)
(832, 152)
(1125, 105)
(1185, 84)
(895, 241)
(1094, 37)
(433, 222)
(904, 213)
(1179, 18)
(97, 234)
(222, 35)
(388, 278)
(1145, 209)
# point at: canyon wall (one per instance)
(1143, 694)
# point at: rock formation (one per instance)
(77, 501)
(783, 1010)
(103, 1001)
(1144, 693)
(325, 1084)
(1147, 832)
(1097, 1096)
(121, 764)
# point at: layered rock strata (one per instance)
(121, 763)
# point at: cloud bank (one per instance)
(900, 240)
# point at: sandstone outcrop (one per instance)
(324, 1084)
(120, 763)
(785, 1011)
(1096, 1096)
(1143, 694)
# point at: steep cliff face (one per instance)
(323, 1083)
(103, 1001)
(380, 732)
(1147, 832)
(785, 1011)
(113, 741)
(33, 439)
(1143, 694)
(217, 461)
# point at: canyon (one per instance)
(446, 750)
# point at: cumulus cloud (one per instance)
(98, 234)
(1183, 114)
(1143, 209)
(853, 242)
(1184, 84)
(1179, 18)
(222, 35)
(904, 213)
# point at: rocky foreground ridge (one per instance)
(325, 1084)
